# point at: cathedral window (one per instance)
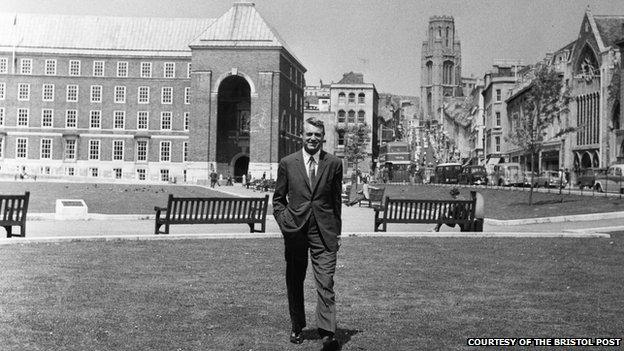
(429, 72)
(447, 73)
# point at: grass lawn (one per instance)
(513, 203)
(393, 293)
(103, 198)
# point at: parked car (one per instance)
(612, 181)
(446, 173)
(473, 174)
(528, 177)
(551, 179)
(587, 177)
(508, 174)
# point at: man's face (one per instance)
(312, 138)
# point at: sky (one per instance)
(380, 38)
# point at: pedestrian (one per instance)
(229, 179)
(213, 179)
(248, 179)
(307, 207)
(454, 211)
(363, 194)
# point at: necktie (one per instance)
(312, 171)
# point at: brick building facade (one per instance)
(146, 98)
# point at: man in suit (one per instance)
(307, 207)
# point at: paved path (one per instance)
(356, 221)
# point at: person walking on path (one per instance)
(307, 208)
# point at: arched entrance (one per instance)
(586, 161)
(233, 117)
(241, 167)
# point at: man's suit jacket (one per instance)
(295, 198)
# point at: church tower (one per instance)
(440, 66)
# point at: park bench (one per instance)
(208, 210)
(469, 212)
(13, 210)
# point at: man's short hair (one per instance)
(316, 122)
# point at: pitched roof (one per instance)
(611, 28)
(46, 31)
(352, 78)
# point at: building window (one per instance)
(142, 120)
(143, 95)
(22, 117)
(351, 117)
(187, 95)
(70, 149)
(361, 116)
(118, 150)
(498, 119)
(341, 138)
(146, 70)
(447, 72)
(98, 68)
(2, 113)
(188, 70)
(96, 93)
(47, 116)
(141, 174)
(165, 120)
(72, 93)
(71, 119)
(122, 69)
(186, 120)
(342, 98)
(48, 92)
(497, 143)
(361, 98)
(141, 150)
(167, 95)
(165, 151)
(185, 151)
(74, 67)
(117, 172)
(120, 95)
(1, 146)
(23, 92)
(341, 116)
(499, 95)
(351, 98)
(21, 148)
(164, 175)
(2, 91)
(169, 69)
(119, 119)
(46, 148)
(26, 66)
(50, 67)
(4, 65)
(94, 149)
(94, 171)
(95, 119)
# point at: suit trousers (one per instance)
(323, 266)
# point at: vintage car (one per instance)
(446, 173)
(473, 174)
(551, 179)
(507, 174)
(587, 177)
(528, 177)
(612, 181)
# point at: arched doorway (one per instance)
(586, 161)
(233, 118)
(241, 167)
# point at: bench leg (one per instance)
(156, 228)
(8, 230)
(251, 227)
(166, 228)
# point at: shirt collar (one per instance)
(306, 156)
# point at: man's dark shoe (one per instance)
(296, 337)
(330, 343)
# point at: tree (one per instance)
(357, 137)
(542, 103)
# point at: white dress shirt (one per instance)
(306, 161)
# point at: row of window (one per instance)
(95, 119)
(70, 150)
(98, 68)
(350, 116)
(342, 98)
(96, 93)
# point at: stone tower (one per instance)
(440, 66)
